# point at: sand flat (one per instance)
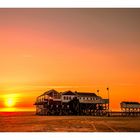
(29, 122)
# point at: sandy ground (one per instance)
(29, 122)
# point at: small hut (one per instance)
(130, 108)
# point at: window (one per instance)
(83, 98)
(64, 98)
(90, 98)
(69, 98)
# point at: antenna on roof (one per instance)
(98, 92)
(108, 97)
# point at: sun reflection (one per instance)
(8, 109)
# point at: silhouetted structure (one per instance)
(130, 108)
(71, 103)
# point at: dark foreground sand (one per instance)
(29, 122)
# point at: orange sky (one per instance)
(75, 49)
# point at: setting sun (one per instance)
(10, 102)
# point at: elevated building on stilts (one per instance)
(130, 108)
(71, 103)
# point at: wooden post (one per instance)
(108, 101)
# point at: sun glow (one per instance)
(10, 102)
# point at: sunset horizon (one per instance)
(11, 103)
(81, 50)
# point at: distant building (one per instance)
(130, 106)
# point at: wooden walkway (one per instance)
(124, 114)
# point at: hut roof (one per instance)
(130, 102)
(86, 94)
(49, 92)
(52, 91)
(68, 93)
(79, 93)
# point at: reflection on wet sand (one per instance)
(29, 122)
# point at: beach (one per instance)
(29, 122)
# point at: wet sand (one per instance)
(29, 122)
